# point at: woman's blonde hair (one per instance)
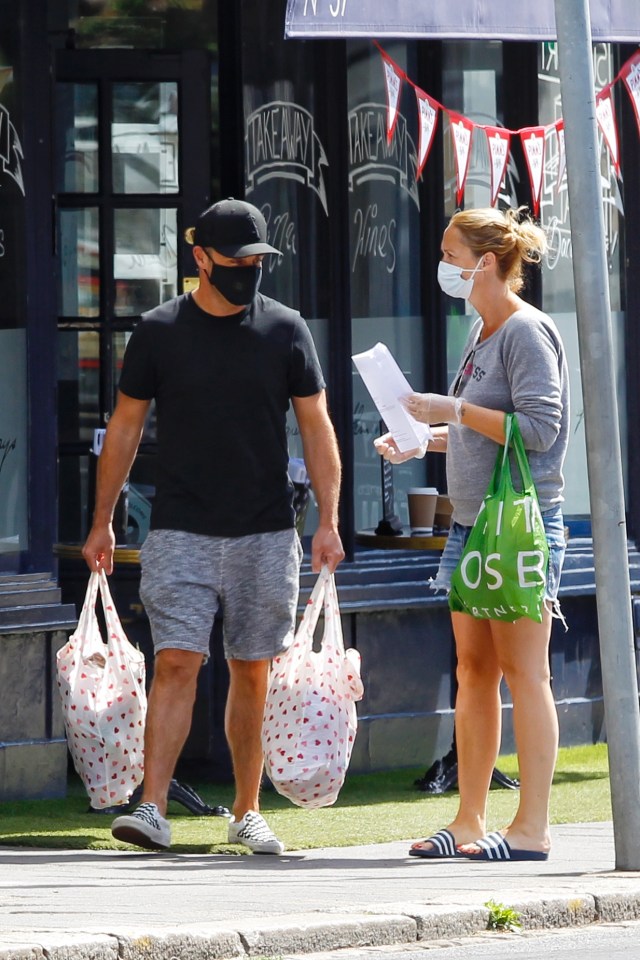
(510, 234)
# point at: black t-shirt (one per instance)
(222, 387)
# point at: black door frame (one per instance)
(192, 71)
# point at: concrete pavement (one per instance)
(132, 905)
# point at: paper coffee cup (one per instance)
(422, 508)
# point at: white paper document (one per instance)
(386, 383)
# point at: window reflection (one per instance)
(77, 131)
(144, 136)
(150, 24)
(145, 263)
(78, 385)
(78, 242)
(472, 80)
(384, 252)
(558, 281)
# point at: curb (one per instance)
(308, 933)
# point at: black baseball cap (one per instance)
(232, 227)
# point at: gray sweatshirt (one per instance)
(522, 368)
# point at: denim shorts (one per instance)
(554, 529)
(255, 579)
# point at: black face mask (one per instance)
(238, 285)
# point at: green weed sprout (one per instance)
(502, 917)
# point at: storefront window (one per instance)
(128, 177)
(472, 81)
(384, 257)
(77, 138)
(78, 385)
(13, 446)
(558, 283)
(144, 138)
(286, 175)
(145, 262)
(79, 246)
(13, 343)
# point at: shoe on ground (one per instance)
(144, 828)
(254, 832)
(441, 776)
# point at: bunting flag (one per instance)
(607, 123)
(462, 135)
(428, 114)
(630, 74)
(498, 140)
(562, 157)
(533, 145)
(393, 76)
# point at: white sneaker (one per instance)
(144, 827)
(253, 831)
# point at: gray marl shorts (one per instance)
(255, 579)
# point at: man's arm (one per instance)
(322, 461)
(114, 463)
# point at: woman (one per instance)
(513, 362)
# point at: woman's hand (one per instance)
(433, 407)
(387, 448)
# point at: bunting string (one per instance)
(499, 139)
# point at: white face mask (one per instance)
(451, 281)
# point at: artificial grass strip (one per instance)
(372, 808)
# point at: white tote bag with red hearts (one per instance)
(104, 701)
(310, 718)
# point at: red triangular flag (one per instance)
(562, 157)
(428, 120)
(533, 145)
(393, 77)
(630, 73)
(607, 123)
(462, 135)
(498, 140)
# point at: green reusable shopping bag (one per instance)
(503, 568)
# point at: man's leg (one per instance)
(243, 723)
(169, 714)
(259, 598)
(167, 725)
(248, 681)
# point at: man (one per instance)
(222, 365)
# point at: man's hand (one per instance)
(99, 547)
(326, 548)
(387, 448)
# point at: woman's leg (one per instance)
(522, 649)
(477, 721)
(478, 717)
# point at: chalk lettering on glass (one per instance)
(281, 143)
(281, 232)
(6, 446)
(361, 427)
(554, 198)
(373, 239)
(372, 157)
(11, 152)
